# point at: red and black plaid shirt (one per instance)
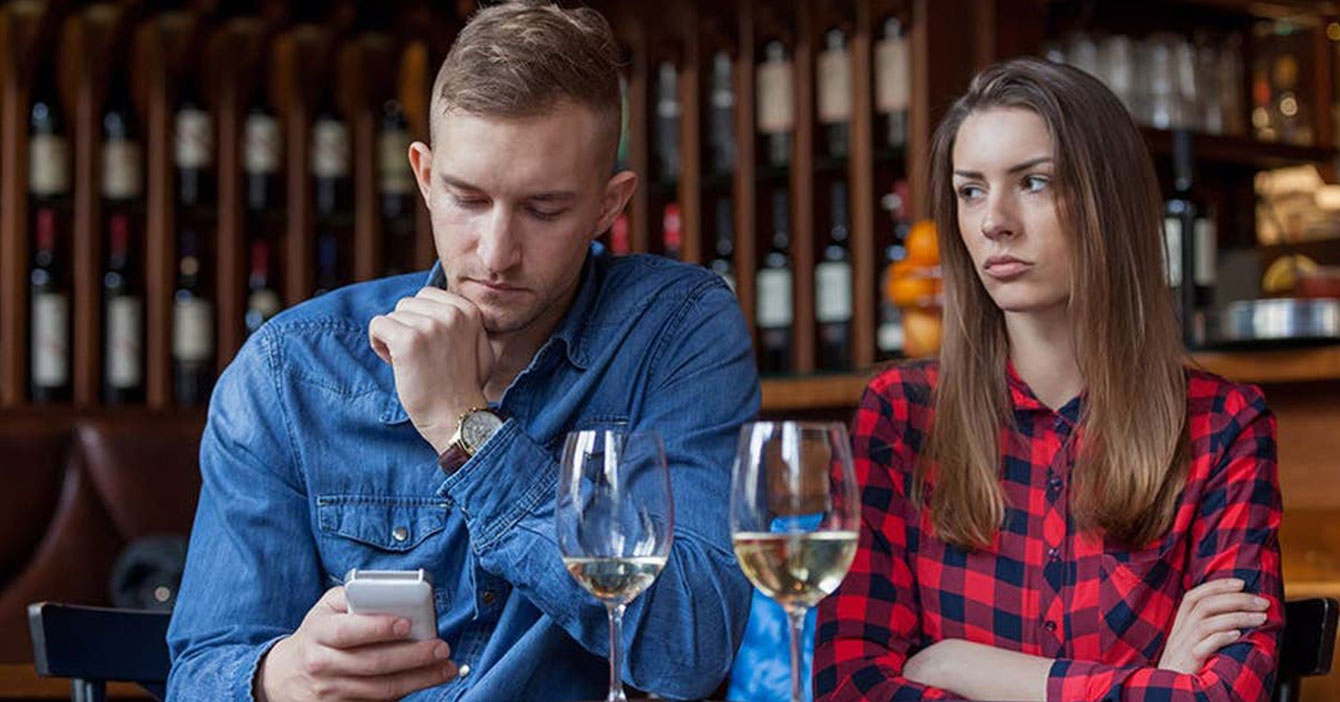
(1044, 588)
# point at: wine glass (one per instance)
(794, 515)
(615, 522)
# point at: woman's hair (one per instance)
(1134, 449)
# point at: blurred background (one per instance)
(172, 174)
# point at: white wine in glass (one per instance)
(615, 522)
(795, 515)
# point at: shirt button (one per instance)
(488, 597)
(464, 670)
(1053, 554)
(1055, 483)
(400, 533)
(1049, 625)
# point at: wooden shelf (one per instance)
(1275, 365)
(1240, 151)
(839, 391)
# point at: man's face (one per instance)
(515, 203)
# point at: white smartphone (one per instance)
(403, 593)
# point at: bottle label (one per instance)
(192, 330)
(121, 173)
(1207, 242)
(893, 80)
(264, 303)
(51, 340)
(394, 176)
(774, 298)
(193, 139)
(330, 149)
(48, 165)
(1172, 251)
(835, 86)
(261, 144)
(776, 113)
(889, 337)
(124, 342)
(832, 292)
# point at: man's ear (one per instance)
(421, 162)
(618, 191)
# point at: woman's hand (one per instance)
(1211, 616)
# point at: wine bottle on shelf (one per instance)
(774, 310)
(262, 155)
(889, 334)
(49, 212)
(835, 93)
(833, 286)
(193, 152)
(263, 301)
(721, 115)
(331, 187)
(192, 324)
(723, 258)
(666, 143)
(395, 187)
(122, 204)
(1184, 209)
(672, 235)
(893, 83)
(776, 111)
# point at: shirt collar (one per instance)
(1025, 403)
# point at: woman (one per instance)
(1086, 518)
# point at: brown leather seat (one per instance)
(75, 492)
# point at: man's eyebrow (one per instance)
(555, 196)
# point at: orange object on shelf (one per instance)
(915, 285)
(922, 246)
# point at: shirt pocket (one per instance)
(376, 532)
(1139, 593)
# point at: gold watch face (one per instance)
(477, 428)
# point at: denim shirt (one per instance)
(311, 467)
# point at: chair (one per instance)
(94, 645)
(1307, 645)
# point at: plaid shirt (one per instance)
(1044, 588)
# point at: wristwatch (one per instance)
(477, 426)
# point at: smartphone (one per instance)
(403, 593)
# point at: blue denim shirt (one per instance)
(311, 467)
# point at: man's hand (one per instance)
(1210, 616)
(335, 655)
(437, 345)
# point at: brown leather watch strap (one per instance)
(452, 459)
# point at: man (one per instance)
(335, 439)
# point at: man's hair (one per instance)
(524, 58)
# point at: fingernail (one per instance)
(1261, 602)
(402, 627)
(441, 651)
(1258, 616)
(1235, 582)
(449, 671)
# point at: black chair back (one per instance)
(1307, 645)
(94, 645)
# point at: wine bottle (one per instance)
(723, 259)
(192, 325)
(262, 300)
(835, 93)
(776, 111)
(122, 203)
(893, 83)
(774, 310)
(666, 142)
(721, 115)
(833, 286)
(49, 213)
(395, 187)
(331, 187)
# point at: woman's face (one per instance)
(1003, 163)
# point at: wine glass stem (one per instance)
(796, 615)
(616, 653)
